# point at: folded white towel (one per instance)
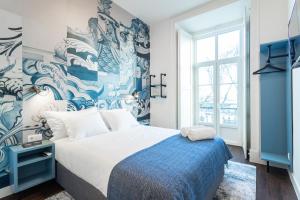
(198, 133)
(185, 131)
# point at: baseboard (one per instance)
(295, 184)
(4, 192)
(233, 143)
(255, 157)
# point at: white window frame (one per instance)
(216, 63)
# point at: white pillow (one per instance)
(56, 124)
(119, 119)
(81, 125)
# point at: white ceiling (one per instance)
(152, 11)
(223, 15)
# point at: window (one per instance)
(206, 49)
(229, 45)
(228, 101)
(217, 68)
(206, 94)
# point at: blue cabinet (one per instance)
(275, 104)
(31, 166)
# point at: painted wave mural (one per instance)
(11, 85)
(100, 66)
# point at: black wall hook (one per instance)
(269, 65)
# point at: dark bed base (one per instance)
(75, 186)
(81, 190)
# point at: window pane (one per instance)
(228, 73)
(206, 115)
(228, 117)
(205, 75)
(206, 104)
(228, 104)
(206, 49)
(229, 44)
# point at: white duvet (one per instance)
(93, 158)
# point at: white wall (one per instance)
(263, 30)
(185, 90)
(47, 19)
(164, 59)
(163, 111)
(271, 11)
(264, 14)
(295, 175)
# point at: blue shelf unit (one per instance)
(31, 166)
(276, 106)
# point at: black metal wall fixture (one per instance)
(161, 86)
(151, 86)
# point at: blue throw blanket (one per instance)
(175, 168)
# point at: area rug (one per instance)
(61, 196)
(239, 184)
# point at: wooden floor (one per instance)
(275, 185)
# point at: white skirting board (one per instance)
(4, 192)
(296, 185)
(254, 156)
(233, 143)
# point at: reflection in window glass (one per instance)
(206, 115)
(206, 104)
(229, 45)
(228, 104)
(206, 49)
(206, 94)
(228, 94)
(205, 75)
(228, 73)
(218, 99)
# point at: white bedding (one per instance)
(93, 158)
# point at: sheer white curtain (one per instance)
(185, 84)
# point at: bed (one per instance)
(142, 162)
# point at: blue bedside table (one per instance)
(31, 166)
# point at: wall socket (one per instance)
(34, 137)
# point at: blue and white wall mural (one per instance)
(101, 65)
(10, 82)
